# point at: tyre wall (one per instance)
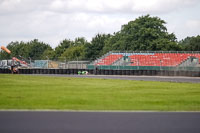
(107, 72)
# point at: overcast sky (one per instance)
(51, 21)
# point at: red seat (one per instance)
(161, 59)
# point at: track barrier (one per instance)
(107, 72)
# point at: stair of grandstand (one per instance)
(109, 60)
(125, 61)
(190, 62)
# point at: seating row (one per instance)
(157, 59)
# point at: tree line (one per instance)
(145, 33)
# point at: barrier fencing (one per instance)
(120, 60)
(48, 64)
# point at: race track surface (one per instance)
(99, 122)
(141, 78)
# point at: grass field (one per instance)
(40, 92)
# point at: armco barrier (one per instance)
(108, 72)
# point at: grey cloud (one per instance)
(91, 6)
(119, 6)
(53, 20)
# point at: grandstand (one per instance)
(120, 63)
(148, 60)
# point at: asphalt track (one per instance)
(140, 78)
(99, 122)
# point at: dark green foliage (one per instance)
(60, 49)
(94, 49)
(74, 53)
(33, 49)
(191, 43)
(48, 54)
(80, 41)
(76, 50)
(17, 49)
(144, 33)
(37, 48)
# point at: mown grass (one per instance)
(41, 92)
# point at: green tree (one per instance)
(36, 49)
(11, 46)
(80, 41)
(144, 33)
(73, 53)
(94, 49)
(60, 49)
(114, 42)
(191, 43)
(33, 49)
(48, 54)
(18, 49)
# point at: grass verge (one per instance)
(41, 92)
